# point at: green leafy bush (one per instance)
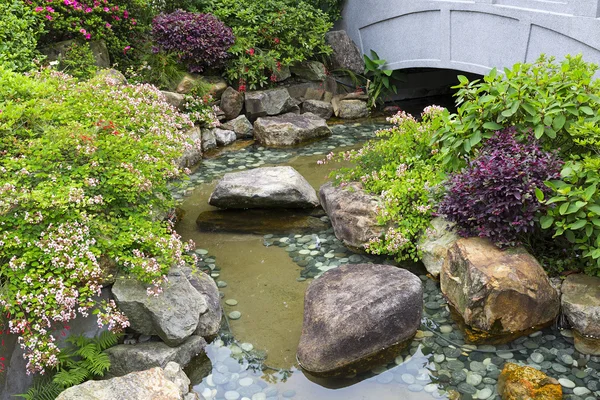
(402, 169)
(78, 61)
(269, 34)
(20, 30)
(84, 169)
(333, 8)
(156, 67)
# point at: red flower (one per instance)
(242, 88)
(273, 78)
(250, 51)
(276, 40)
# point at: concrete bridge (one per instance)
(473, 35)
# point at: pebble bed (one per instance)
(438, 362)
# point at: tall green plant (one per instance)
(20, 30)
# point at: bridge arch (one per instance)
(473, 35)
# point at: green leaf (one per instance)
(594, 208)
(492, 126)
(563, 208)
(546, 221)
(587, 110)
(589, 192)
(529, 108)
(559, 122)
(463, 79)
(578, 224)
(539, 195)
(539, 131)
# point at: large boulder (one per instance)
(318, 107)
(174, 99)
(209, 141)
(290, 129)
(172, 315)
(264, 103)
(224, 137)
(309, 70)
(56, 51)
(435, 244)
(267, 187)
(352, 214)
(518, 382)
(152, 384)
(351, 109)
(345, 52)
(126, 358)
(209, 322)
(581, 305)
(358, 316)
(232, 103)
(216, 85)
(505, 293)
(240, 125)
(192, 154)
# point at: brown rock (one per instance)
(496, 291)
(352, 214)
(358, 316)
(290, 129)
(527, 383)
(581, 305)
(232, 103)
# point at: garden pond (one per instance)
(262, 279)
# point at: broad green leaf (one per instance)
(587, 110)
(546, 221)
(559, 122)
(539, 131)
(589, 192)
(539, 195)
(492, 126)
(578, 224)
(563, 208)
(463, 79)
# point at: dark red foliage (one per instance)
(494, 196)
(200, 40)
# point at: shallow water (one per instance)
(266, 275)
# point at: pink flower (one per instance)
(108, 26)
(82, 31)
(50, 9)
(125, 14)
(125, 49)
(39, 9)
(106, 9)
(88, 36)
(88, 10)
(49, 17)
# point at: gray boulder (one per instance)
(151, 384)
(209, 322)
(125, 358)
(240, 125)
(216, 84)
(317, 107)
(173, 315)
(209, 140)
(345, 52)
(282, 74)
(269, 102)
(502, 293)
(351, 109)
(358, 316)
(113, 76)
(352, 214)
(581, 305)
(290, 129)
(174, 99)
(224, 137)
(98, 47)
(303, 90)
(192, 154)
(309, 70)
(435, 244)
(232, 103)
(268, 187)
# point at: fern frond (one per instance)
(71, 377)
(42, 389)
(98, 364)
(107, 339)
(89, 351)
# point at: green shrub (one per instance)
(402, 169)
(157, 68)
(84, 169)
(269, 34)
(20, 29)
(78, 61)
(333, 8)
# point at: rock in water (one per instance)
(224, 137)
(210, 321)
(192, 155)
(504, 293)
(240, 125)
(152, 384)
(290, 129)
(353, 109)
(268, 187)
(358, 316)
(581, 305)
(209, 141)
(127, 358)
(318, 107)
(352, 214)
(435, 244)
(345, 52)
(173, 315)
(519, 383)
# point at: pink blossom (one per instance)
(50, 9)
(39, 9)
(106, 9)
(108, 26)
(88, 10)
(49, 17)
(83, 31)
(88, 36)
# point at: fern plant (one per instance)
(84, 359)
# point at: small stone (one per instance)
(484, 393)
(559, 368)
(567, 359)
(474, 379)
(202, 252)
(507, 355)
(231, 302)
(445, 329)
(537, 358)
(398, 360)
(289, 393)
(581, 391)
(415, 387)
(246, 381)
(385, 377)
(247, 346)
(235, 315)
(466, 388)
(221, 284)
(379, 369)
(259, 396)
(564, 382)
(408, 379)
(439, 358)
(430, 388)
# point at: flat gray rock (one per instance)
(320, 108)
(263, 103)
(357, 317)
(269, 187)
(240, 125)
(581, 305)
(126, 358)
(435, 244)
(192, 154)
(210, 321)
(290, 129)
(345, 52)
(224, 137)
(209, 141)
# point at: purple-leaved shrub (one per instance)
(494, 196)
(199, 40)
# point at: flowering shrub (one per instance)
(200, 110)
(269, 35)
(402, 169)
(19, 32)
(84, 168)
(117, 22)
(199, 40)
(495, 195)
